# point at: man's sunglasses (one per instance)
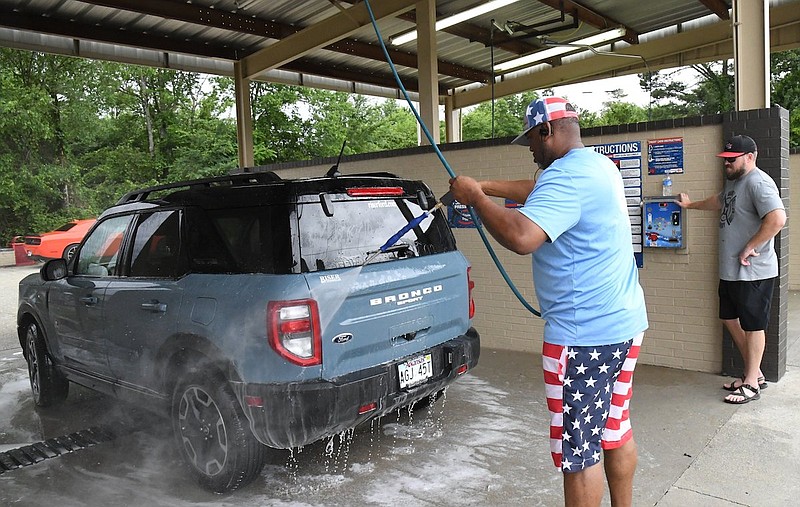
(731, 160)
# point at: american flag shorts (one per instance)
(588, 391)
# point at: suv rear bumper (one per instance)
(298, 414)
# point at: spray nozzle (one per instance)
(447, 199)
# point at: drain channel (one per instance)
(52, 447)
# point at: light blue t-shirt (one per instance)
(585, 276)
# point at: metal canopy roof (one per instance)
(208, 36)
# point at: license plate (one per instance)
(415, 371)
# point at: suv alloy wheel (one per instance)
(213, 434)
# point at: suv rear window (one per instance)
(352, 229)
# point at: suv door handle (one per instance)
(89, 300)
(155, 307)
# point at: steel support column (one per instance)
(428, 68)
(244, 117)
(751, 53)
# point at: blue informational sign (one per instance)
(627, 156)
(459, 217)
(665, 156)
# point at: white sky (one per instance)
(591, 95)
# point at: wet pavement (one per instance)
(485, 443)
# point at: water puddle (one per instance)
(356, 453)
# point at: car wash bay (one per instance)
(485, 443)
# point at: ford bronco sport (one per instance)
(241, 307)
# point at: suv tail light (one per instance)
(470, 286)
(294, 331)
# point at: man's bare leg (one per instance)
(620, 466)
(745, 341)
(584, 488)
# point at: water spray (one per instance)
(449, 170)
(446, 200)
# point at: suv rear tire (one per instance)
(47, 385)
(213, 434)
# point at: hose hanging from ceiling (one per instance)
(446, 164)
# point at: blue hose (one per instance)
(446, 166)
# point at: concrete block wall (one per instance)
(794, 239)
(680, 285)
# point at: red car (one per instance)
(61, 242)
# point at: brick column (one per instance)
(770, 130)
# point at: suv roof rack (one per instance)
(378, 174)
(256, 178)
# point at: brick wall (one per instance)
(794, 239)
(680, 285)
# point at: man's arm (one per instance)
(709, 203)
(508, 226)
(771, 224)
(518, 191)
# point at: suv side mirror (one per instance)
(54, 269)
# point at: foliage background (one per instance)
(77, 134)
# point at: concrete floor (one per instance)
(484, 444)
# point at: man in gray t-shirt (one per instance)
(752, 213)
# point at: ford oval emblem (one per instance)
(342, 338)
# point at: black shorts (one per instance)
(750, 302)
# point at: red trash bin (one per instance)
(20, 255)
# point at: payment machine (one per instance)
(664, 223)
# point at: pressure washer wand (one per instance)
(444, 201)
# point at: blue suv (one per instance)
(255, 311)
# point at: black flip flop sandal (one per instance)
(753, 395)
(762, 384)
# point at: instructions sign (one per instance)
(665, 156)
(627, 156)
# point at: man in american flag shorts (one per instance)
(575, 223)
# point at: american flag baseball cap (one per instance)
(542, 110)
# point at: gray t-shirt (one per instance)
(745, 202)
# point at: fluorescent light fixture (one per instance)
(560, 50)
(454, 19)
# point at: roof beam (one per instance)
(386, 80)
(577, 70)
(216, 18)
(328, 31)
(406, 59)
(708, 43)
(476, 33)
(76, 30)
(592, 18)
(302, 66)
(198, 15)
(718, 7)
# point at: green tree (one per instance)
(619, 112)
(505, 118)
(76, 134)
(785, 88)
